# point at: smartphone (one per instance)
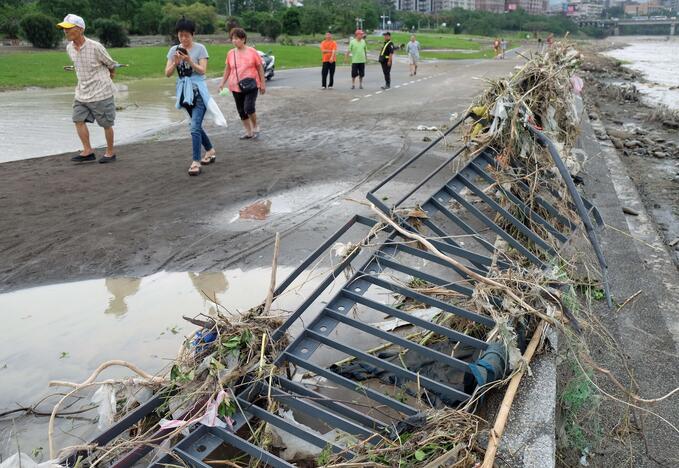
(182, 50)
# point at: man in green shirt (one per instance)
(358, 50)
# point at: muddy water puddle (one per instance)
(37, 122)
(65, 331)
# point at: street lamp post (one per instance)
(384, 17)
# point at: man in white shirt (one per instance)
(94, 93)
(413, 50)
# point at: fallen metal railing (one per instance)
(466, 234)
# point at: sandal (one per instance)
(209, 157)
(245, 137)
(194, 170)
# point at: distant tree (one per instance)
(111, 33)
(147, 19)
(40, 30)
(252, 19)
(314, 20)
(11, 13)
(124, 9)
(270, 27)
(203, 15)
(60, 8)
(231, 22)
(290, 20)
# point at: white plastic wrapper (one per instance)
(105, 399)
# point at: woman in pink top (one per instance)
(244, 62)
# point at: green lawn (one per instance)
(438, 41)
(45, 69)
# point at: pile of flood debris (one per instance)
(521, 298)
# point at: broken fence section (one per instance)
(461, 216)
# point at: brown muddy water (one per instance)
(64, 331)
(37, 122)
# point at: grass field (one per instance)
(437, 41)
(45, 69)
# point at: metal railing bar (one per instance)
(441, 208)
(525, 230)
(296, 403)
(287, 426)
(453, 335)
(494, 227)
(417, 156)
(453, 286)
(430, 176)
(525, 209)
(399, 371)
(250, 448)
(473, 316)
(400, 341)
(340, 408)
(353, 386)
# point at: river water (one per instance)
(656, 58)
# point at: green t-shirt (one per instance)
(358, 51)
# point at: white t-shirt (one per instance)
(413, 48)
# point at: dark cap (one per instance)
(386, 33)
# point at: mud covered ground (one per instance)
(143, 214)
(634, 340)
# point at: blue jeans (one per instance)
(198, 135)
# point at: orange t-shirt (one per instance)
(331, 46)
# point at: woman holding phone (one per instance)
(190, 60)
(244, 75)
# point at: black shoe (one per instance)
(89, 157)
(385, 87)
(107, 159)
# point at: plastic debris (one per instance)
(105, 399)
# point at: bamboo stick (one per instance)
(505, 407)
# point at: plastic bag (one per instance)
(216, 114)
(577, 84)
(105, 399)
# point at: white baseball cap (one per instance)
(71, 21)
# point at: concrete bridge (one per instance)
(616, 24)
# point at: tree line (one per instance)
(113, 20)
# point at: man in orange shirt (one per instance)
(329, 52)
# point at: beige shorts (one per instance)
(104, 112)
(412, 59)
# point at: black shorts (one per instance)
(357, 69)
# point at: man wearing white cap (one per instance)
(94, 93)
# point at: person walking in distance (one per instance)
(413, 51)
(503, 46)
(496, 47)
(386, 59)
(244, 75)
(358, 50)
(329, 56)
(93, 101)
(190, 58)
